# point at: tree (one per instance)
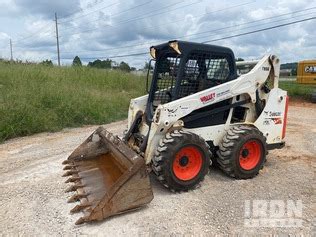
(76, 62)
(239, 59)
(47, 62)
(124, 67)
(294, 71)
(105, 64)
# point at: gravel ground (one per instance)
(33, 202)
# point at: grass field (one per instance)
(36, 98)
(295, 90)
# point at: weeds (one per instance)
(35, 98)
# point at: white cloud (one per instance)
(143, 23)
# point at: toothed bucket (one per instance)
(108, 178)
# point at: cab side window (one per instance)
(218, 69)
(202, 71)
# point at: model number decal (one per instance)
(277, 120)
(265, 68)
(222, 93)
(208, 98)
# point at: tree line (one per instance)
(104, 64)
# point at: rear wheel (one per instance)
(181, 161)
(242, 152)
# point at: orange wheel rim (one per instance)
(187, 163)
(250, 154)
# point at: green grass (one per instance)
(36, 98)
(295, 90)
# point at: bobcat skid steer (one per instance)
(198, 111)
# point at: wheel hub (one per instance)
(187, 163)
(245, 153)
(184, 160)
(250, 155)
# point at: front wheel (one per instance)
(181, 161)
(242, 152)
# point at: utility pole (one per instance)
(11, 51)
(57, 37)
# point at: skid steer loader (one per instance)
(198, 111)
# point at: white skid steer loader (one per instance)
(198, 111)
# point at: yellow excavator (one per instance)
(198, 111)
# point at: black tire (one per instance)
(166, 162)
(233, 152)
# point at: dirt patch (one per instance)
(33, 201)
(301, 103)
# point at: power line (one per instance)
(243, 28)
(45, 26)
(263, 29)
(141, 44)
(81, 10)
(218, 39)
(115, 15)
(114, 56)
(138, 17)
(99, 9)
(119, 13)
(213, 30)
(34, 34)
(201, 15)
(251, 22)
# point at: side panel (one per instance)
(272, 119)
(136, 105)
(211, 133)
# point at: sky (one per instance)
(95, 29)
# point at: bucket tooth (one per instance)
(72, 179)
(73, 188)
(80, 221)
(80, 207)
(76, 197)
(70, 172)
(66, 162)
(108, 178)
(69, 167)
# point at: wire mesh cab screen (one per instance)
(167, 69)
(203, 71)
